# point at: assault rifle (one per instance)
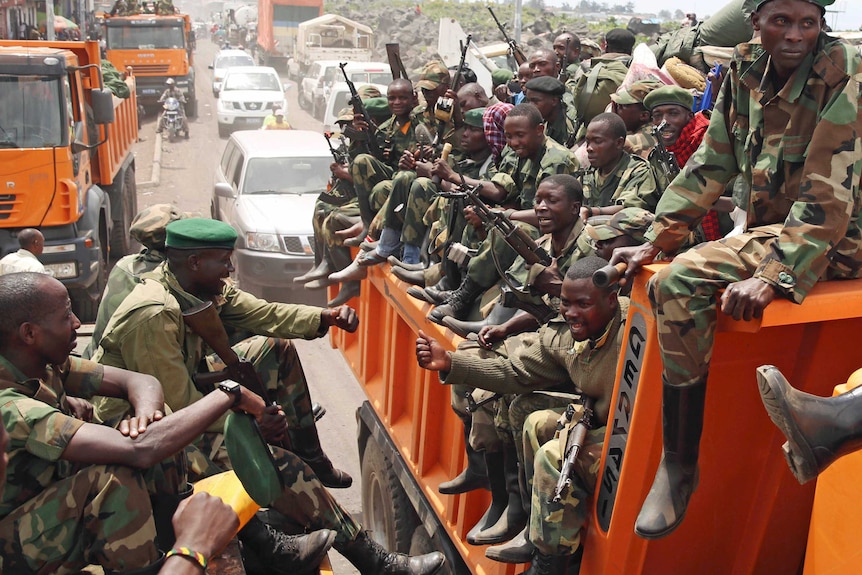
(575, 443)
(445, 106)
(666, 159)
(339, 154)
(514, 49)
(366, 137)
(564, 63)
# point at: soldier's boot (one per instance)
(548, 565)
(338, 258)
(348, 291)
(415, 277)
(819, 430)
(322, 269)
(372, 559)
(474, 476)
(275, 552)
(353, 272)
(514, 518)
(498, 315)
(397, 263)
(459, 303)
(495, 465)
(164, 506)
(518, 550)
(677, 473)
(306, 444)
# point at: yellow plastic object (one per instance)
(228, 488)
(833, 540)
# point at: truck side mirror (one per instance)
(103, 105)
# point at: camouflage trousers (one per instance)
(683, 295)
(495, 256)
(408, 202)
(555, 528)
(101, 515)
(336, 220)
(371, 182)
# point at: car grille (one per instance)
(7, 204)
(295, 245)
(255, 106)
(151, 69)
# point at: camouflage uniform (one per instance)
(54, 513)
(632, 184)
(562, 129)
(593, 85)
(804, 202)
(642, 142)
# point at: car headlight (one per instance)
(262, 242)
(225, 105)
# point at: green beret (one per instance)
(148, 227)
(667, 95)
(821, 3)
(547, 85)
(377, 106)
(474, 117)
(197, 233)
(633, 222)
(501, 76)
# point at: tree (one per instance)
(664, 14)
(678, 14)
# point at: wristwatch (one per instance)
(233, 388)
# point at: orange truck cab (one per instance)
(748, 516)
(156, 47)
(66, 163)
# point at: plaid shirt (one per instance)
(493, 119)
(689, 139)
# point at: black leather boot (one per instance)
(548, 565)
(164, 507)
(273, 551)
(306, 444)
(459, 303)
(475, 475)
(372, 559)
(495, 465)
(819, 430)
(498, 315)
(677, 475)
(441, 291)
(514, 518)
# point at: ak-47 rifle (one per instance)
(366, 137)
(666, 159)
(577, 437)
(514, 49)
(339, 154)
(445, 106)
(564, 63)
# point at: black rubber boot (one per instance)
(276, 552)
(495, 465)
(518, 550)
(306, 444)
(459, 303)
(414, 277)
(475, 475)
(348, 291)
(321, 270)
(819, 430)
(548, 565)
(498, 315)
(339, 258)
(514, 518)
(164, 507)
(676, 476)
(372, 559)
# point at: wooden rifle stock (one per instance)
(608, 275)
(574, 446)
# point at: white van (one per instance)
(339, 97)
(315, 86)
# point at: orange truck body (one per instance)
(81, 199)
(278, 25)
(748, 515)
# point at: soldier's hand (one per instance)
(491, 334)
(472, 218)
(747, 299)
(250, 402)
(135, 425)
(343, 317)
(431, 355)
(635, 258)
(273, 424)
(203, 522)
(81, 408)
(549, 280)
(423, 169)
(443, 170)
(407, 161)
(502, 93)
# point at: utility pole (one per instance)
(516, 32)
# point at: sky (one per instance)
(842, 15)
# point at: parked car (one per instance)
(315, 86)
(225, 59)
(248, 95)
(338, 98)
(265, 186)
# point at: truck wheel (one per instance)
(121, 243)
(192, 106)
(303, 101)
(85, 302)
(387, 511)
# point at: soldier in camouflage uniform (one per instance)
(616, 179)
(576, 353)
(789, 121)
(569, 41)
(629, 105)
(546, 93)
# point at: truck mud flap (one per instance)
(370, 428)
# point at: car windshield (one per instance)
(30, 112)
(286, 175)
(228, 61)
(371, 77)
(251, 81)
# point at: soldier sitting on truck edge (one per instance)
(788, 119)
(578, 351)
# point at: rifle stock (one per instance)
(577, 438)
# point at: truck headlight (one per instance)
(63, 270)
(262, 242)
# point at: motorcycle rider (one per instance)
(173, 91)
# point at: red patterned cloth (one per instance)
(492, 120)
(689, 139)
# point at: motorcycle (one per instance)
(173, 119)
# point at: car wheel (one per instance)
(303, 101)
(223, 130)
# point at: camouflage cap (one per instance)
(501, 76)
(367, 91)
(821, 3)
(148, 227)
(377, 106)
(474, 117)
(628, 221)
(344, 115)
(667, 95)
(635, 93)
(432, 75)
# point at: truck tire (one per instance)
(192, 106)
(387, 511)
(303, 101)
(85, 302)
(121, 243)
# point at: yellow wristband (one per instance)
(187, 553)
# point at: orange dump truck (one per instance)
(66, 162)
(278, 27)
(748, 515)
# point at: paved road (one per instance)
(187, 168)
